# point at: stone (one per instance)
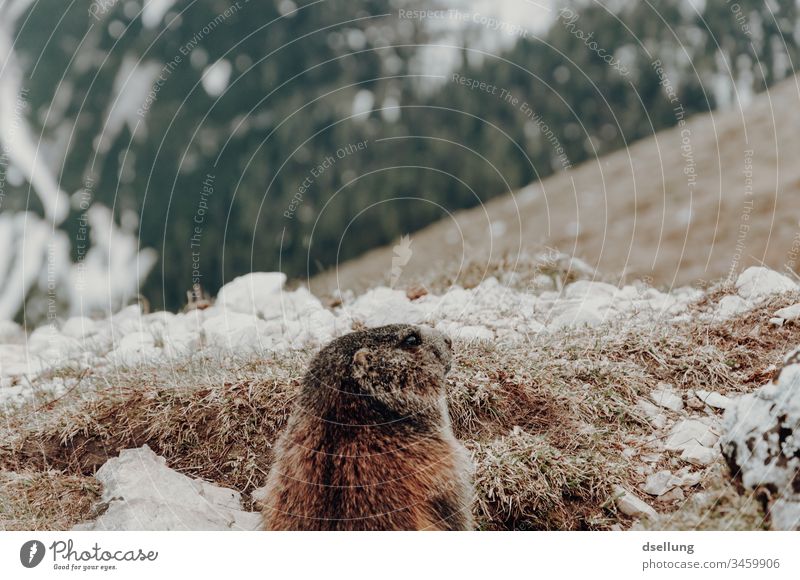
(11, 332)
(144, 494)
(715, 400)
(690, 432)
(586, 289)
(660, 483)
(699, 455)
(785, 515)
(252, 293)
(79, 327)
(675, 494)
(630, 505)
(665, 396)
(731, 306)
(654, 415)
(688, 477)
(757, 283)
(761, 442)
(789, 314)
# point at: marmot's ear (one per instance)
(362, 361)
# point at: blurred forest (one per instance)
(232, 129)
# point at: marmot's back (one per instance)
(369, 444)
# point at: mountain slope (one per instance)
(698, 202)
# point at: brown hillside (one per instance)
(634, 213)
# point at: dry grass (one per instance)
(546, 422)
(45, 500)
(719, 506)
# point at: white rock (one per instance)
(731, 306)
(630, 505)
(466, 333)
(135, 348)
(381, 306)
(79, 327)
(690, 432)
(239, 333)
(699, 455)
(785, 515)
(712, 399)
(789, 314)
(583, 289)
(579, 313)
(144, 494)
(757, 283)
(761, 440)
(252, 293)
(660, 483)
(675, 494)
(688, 477)
(10, 332)
(655, 415)
(666, 397)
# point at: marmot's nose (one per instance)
(442, 346)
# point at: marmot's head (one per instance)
(395, 370)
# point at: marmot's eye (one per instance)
(412, 340)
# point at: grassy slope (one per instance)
(546, 421)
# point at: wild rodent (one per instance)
(369, 445)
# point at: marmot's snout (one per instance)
(441, 345)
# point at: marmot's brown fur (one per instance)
(369, 444)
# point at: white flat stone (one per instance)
(666, 397)
(757, 283)
(144, 494)
(699, 455)
(660, 483)
(630, 505)
(715, 400)
(690, 432)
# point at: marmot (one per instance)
(369, 445)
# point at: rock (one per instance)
(651, 457)
(761, 442)
(239, 333)
(586, 289)
(731, 306)
(699, 455)
(466, 333)
(693, 401)
(630, 505)
(577, 313)
(690, 432)
(660, 483)
(785, 515)
(135, 348)
(675, 494)
(789, 314)
(714, 399)
(381, 306)
(757, 283)
(653, 414)
(79, 327)
(252, 293)
(142, 493)
(11, 332)
(666, 397)
(688, 477)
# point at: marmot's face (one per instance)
(401, 365)
(403, 349)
